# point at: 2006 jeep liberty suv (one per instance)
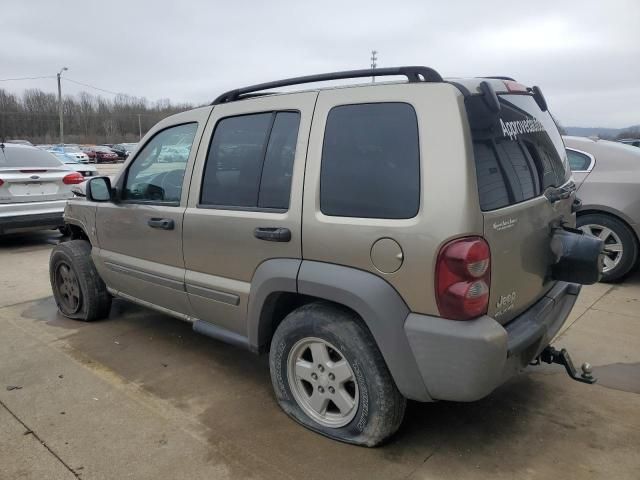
(396, 240)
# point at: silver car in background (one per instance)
(86, 169)
(34, 188)
(607, 175)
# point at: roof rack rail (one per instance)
(414, 74)
(498, 77)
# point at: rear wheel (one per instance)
(77, 288)
(620, 244)
(329, 375)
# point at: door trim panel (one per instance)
(147, 277)
(213, 294)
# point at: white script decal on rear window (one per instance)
(518, 127)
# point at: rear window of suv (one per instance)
(518, 153)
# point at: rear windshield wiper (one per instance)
(554, 194)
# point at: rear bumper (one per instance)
(465, 361)
(21, 217)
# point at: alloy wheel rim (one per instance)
(322, 382)
(68, 287)
(613, 249)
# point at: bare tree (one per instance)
(87, 118)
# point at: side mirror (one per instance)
(99, 189)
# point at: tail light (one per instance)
(73, 178)
(1, 182)
(463, 275)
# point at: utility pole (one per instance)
(374, 58)
(60, 105)
(139, 128)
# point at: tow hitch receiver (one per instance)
(551, 355)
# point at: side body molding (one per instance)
(381, 308)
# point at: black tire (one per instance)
(627, 238)
(72, 260)
(380, 407)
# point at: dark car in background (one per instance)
(634, 142)
(101, 154)
(123, 150)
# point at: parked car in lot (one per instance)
(86, 169)
(608, 178)
(34, 187)
(124, 149)
(20, 142)
(631, 141)
(101, 154)
(72, 150)
(326, 228)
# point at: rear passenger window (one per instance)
(371, 162)
(250, 161)
(578, 161)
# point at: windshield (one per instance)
(26, 157)
(518, 151)
(103, 149)
(72, 149)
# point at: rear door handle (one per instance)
(273, 234)
(161, 223)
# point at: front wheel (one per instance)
(620, 244)
(329, 375)
(77, 288)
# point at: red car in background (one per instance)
(100, 154)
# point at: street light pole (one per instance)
(139, 128)
(60, 105)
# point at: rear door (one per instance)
(247, 182)
(520, 166)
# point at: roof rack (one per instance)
(498, 77)
(414, 74)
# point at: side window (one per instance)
(275, 186)
(157, 173)
(250, 161)
(371, 162)
(578, 161)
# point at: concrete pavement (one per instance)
(141, 396)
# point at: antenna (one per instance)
(374, 63)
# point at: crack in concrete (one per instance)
(30, 431)
(2, 307)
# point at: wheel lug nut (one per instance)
(332, 390)
(321, 389)
(332, 376)
(314, 376)
(321, 368)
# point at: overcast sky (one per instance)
(583, 53)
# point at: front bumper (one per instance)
(466, 360)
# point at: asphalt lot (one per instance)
(140, 395)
